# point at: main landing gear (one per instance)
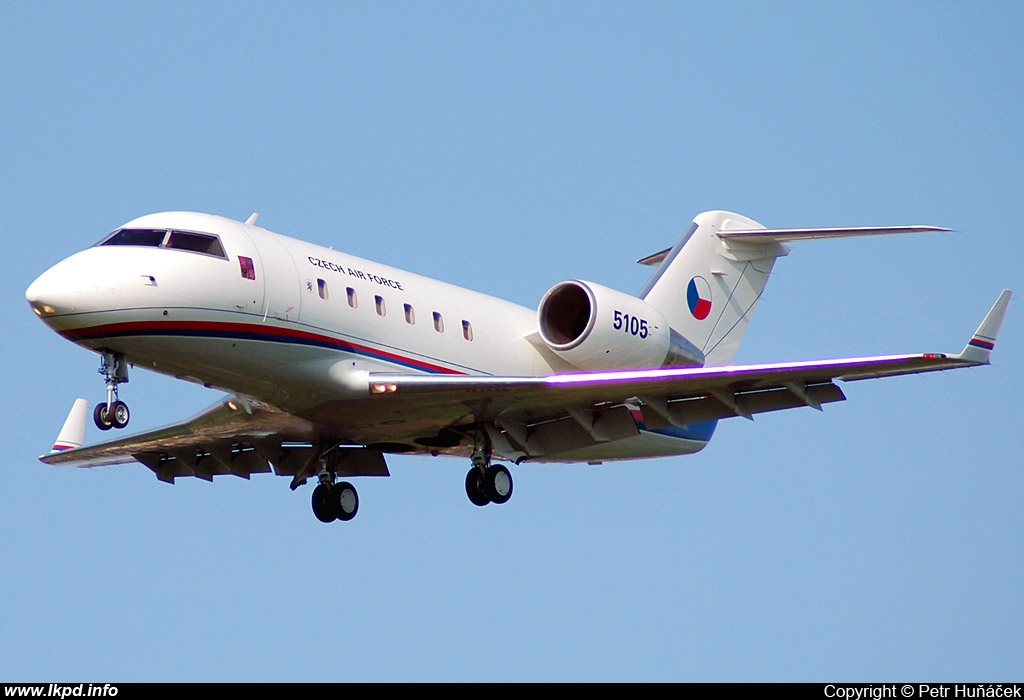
(486, 482)
(337, 500)
(334, 501)
(112, 413)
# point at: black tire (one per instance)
(120, 415)
(100, 418)
(323, 504)
(475, 488)
(345, 500)
(498, 484)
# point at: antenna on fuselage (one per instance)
(251, 221)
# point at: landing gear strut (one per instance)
(486, 482)
(112, 413)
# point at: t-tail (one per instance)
(709, 283)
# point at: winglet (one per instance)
(979, 348)
(72, 435)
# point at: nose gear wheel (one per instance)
(115, 416)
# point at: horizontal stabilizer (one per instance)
(783, 235)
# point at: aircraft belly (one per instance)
(243, 366)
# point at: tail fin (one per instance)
(708, 284)
(72, 435)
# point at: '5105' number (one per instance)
(630, 324)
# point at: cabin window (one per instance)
(321, 287)
(352, 300)
(467, 330)
(196, 243)
(438, 323)
(410, 315)
(379, 301)
(136, 236)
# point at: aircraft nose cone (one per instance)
(85, 283)
(70, 286)
(46, 297)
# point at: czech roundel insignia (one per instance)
(698, 298)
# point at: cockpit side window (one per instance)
(136, 236)
(196, 242)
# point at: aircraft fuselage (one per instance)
(238, 308)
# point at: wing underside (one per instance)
(238, 435)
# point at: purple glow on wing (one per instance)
(614, 376)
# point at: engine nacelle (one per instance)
(594, 327)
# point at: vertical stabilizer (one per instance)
(72, 435)
(708, 286)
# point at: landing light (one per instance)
(383, 388)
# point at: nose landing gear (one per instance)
(112, 413)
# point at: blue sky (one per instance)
(507, 147)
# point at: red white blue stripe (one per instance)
(250, 331)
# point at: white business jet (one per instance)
(330, 361)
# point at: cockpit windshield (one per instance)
(136, 236)
(204, 243)
(196, 242)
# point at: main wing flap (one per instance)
(714, 406)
